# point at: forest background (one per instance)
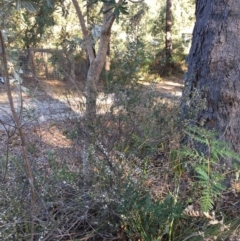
(121, 162)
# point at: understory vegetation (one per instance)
(152, 175)
(147, 179)
(145, 184)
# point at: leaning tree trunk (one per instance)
(97, 62)
(213, 68)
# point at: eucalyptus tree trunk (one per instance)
(97, 62)
(213, 69)
(168, 30)
(90, 21)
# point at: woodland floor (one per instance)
(55, 104)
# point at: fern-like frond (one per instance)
(206, 200)
(206, 163)
(202, 174)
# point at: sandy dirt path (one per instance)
(58, 102)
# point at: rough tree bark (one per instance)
(213, 68)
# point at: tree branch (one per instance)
(84, 30)
(21, 134)
(108, 20)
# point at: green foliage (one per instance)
(118, 8)
(211, 188)
(127, 68)
(26, 21)
(43, 19)
(183, 16)
(182, 25)
(62, 172)
(145, 218)
(13, 200)
(206, 162)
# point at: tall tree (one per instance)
(213, 69)
(111, 11)
(168, 30)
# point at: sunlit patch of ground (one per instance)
(174, 87)
(56, 88)
(3, 94)
(172, 84)
(42, 140)
(52, 135)
(42, 88)
(63, 89)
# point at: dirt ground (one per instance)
(56, 88)
(48, 135)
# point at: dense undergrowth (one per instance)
(146, 184)
(148, 179)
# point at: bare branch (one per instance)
(20, 131)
